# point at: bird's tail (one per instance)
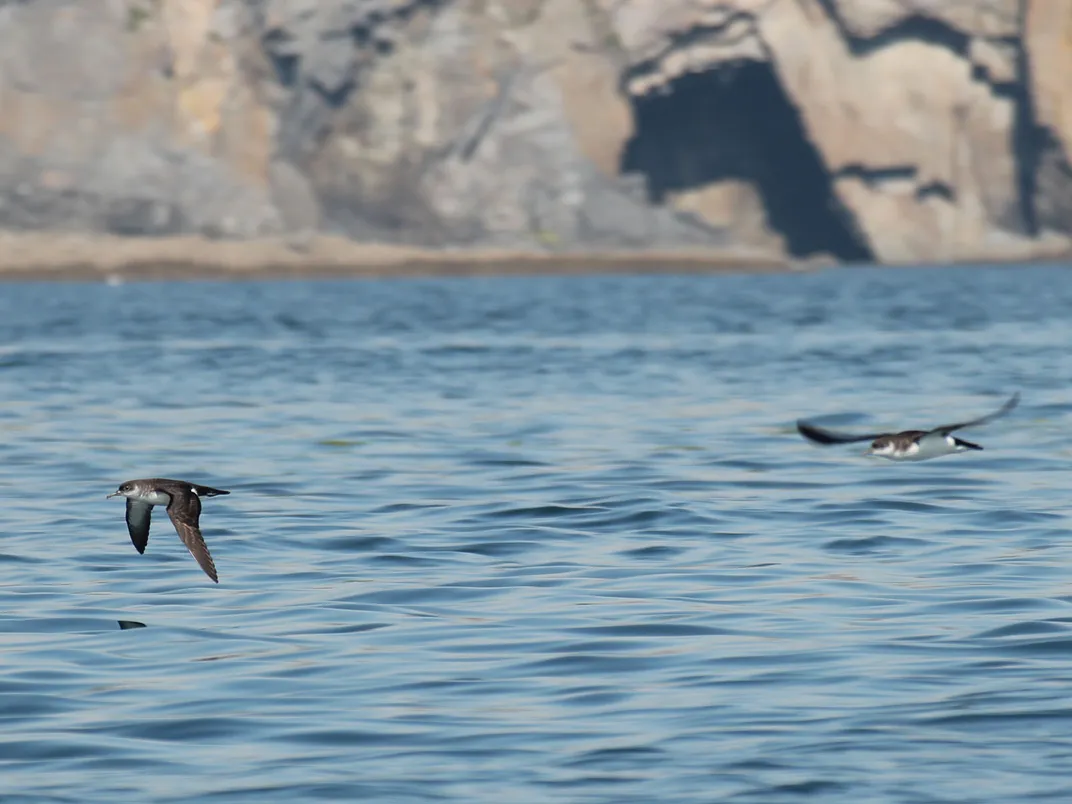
(207, 491)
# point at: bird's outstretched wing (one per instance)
(185, 511)
(822, 436)
(1012, 402)
(138, 517)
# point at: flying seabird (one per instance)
(909, 445)
(183, 501)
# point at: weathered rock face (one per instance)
(130, 118)
(1048, 38)
(919, 115)
(865, 129)
(478, 122)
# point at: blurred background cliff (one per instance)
(884, 130)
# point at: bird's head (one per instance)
(125, 490)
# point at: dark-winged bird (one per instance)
(183, 501)
(909, 445)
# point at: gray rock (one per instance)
(615, 215)
(1053, 200)
(143, 218)
(294, 198)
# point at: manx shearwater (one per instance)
(183, 501)
(909, 445)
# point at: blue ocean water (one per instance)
(539, 540)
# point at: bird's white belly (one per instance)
(154, 498)
(932, 446)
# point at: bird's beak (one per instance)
(116, 494)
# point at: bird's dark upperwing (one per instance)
(138, 516)
(821, 436)
(946, 429)
(185, 511)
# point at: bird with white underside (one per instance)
(909, 445)
(183, 501)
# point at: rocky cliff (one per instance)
(892, 130)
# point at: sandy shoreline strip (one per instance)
(47, 256)
(44, 256)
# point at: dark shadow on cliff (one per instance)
(737, 123)
(1028, 140)
(911, 27)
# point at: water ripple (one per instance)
(537, 540)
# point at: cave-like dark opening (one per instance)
(279, 48)
(737, 123)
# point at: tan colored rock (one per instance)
(735, 205)
(665, 41)
(911, 108)
(587, 77)
(987, 18)
(145, 105)
(1049, 46)
(216, 107)
(889, 94)
(997, 59)
(1048, 39)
